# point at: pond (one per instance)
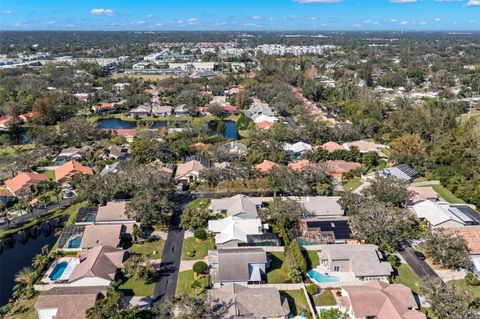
(230, 130)
(20, 255)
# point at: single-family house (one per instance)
(297, 148)
(245, 302)
(324, 230)
(380, 300)
(114, 213)
(128, 134)
(84, 97)
(301, 165)
(320, 206)
(180, 110)
(440, 214)
(230, 109)
(239, 205)
(265, 125)
(5, 121)
(265, 166)
(264, 118)
(117, 152)
(105, 235)
(338, 168)
(331, 146)
(233, 231)
(366, 146)
(24, 181)
(237, 266)
(418, 194)
(235, 148)
(68, 302)
(103, 108)
(162, 110)
(188, 172)
(402, 172)
(140, 111)
(364, 262)
(65, 172)
(471, 235)
(259, 108)
(69, 154)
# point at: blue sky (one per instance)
(240, 15)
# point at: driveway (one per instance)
(172, 253)
(420, 267)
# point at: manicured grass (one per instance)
(446, 194)
(200, 247)
(184, 283)
(312, 258)
(296, 301)
(49, 173)
(73, 211)
(147, 249)
(407, 277)
(137, 287)
(325, 298)
(51, 215)
(475, 290)
(277, 273)
(199, 202)
(352, 184)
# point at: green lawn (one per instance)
(147, 249)
(445, 194)
(50, 174)
(296, 301)
(23, 309)
(137, 287)
(200, 247)
(277, 273)
(475, 290)
(352, 184)
(184, 283)
(312, 258)
(325, 298)
(199, 202)
(407, 277)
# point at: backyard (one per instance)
(312, 258)
(296, 301)
(277, 273)
(325, 298)
(200, 247)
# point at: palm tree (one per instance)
(57, 192)
(137, 231)
(196, 284)
(39, 261)
(25, 277)
(44, 199)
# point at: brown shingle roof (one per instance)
(113, 211)
(100, 261)
(71, 302)
(188, 168)
(98, 234)
(340, 166)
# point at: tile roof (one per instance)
(102, 235)
(24, 180)
(112, 211)
(332, 146)
(188, 168)
(471, 235)
(418, 194)
(340, 166)
(265, 166)
(300, 165)
(71, 168)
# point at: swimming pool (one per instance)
(75, 242)
(58, 270)
(318, 277)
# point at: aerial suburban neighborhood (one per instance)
(239, 174)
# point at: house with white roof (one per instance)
(297, 148)
(444, 215)
(234, 231)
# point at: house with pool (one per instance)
(350, 263)
(95, 267)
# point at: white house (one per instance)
(440, 214)
(232, 231)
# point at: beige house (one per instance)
(188, 172)
(105, 235)
(114, 213)
(244, 302)
(365, 262)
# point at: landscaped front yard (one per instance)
(152, 250)
(184, 284)
(352, 184)
(296, 301)
(137, 287)
(407, 277)
(200, 247)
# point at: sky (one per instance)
(241, 15)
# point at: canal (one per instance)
(14, 257)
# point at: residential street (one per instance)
(36, 213)
(420, 267)
(172, 253)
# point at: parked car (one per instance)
(419, 255)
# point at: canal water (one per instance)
(20, 255)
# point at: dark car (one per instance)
(420, 255)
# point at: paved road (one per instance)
(420, 267)
(36, 213)
(172, 253)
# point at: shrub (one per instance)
(200, 234)
(199, 267)
(393, 260)
(339, 293)
(472, 280)
(297, 254)
(312, 289)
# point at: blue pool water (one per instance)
(58, 270)
(230, 130)
(75, 242)
(318, 277)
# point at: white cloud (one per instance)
(318, 1)
(403, 1)
(256, 17)
(179, 21)
(403, 22)
(393, 20)
(51, 22)
(366, 21)
(192, 21)
(437, 20)
(99, 11)
(472, 3)
(159, 24)
(6, 11)
(423, 22)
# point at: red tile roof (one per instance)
(71, 168)
(265, 166)
(24, 180)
